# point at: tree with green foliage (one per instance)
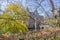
(14, 19)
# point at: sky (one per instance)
(31, 5)
(45, 4)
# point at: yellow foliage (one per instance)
(12, 18)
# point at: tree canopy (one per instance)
(11, 19)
